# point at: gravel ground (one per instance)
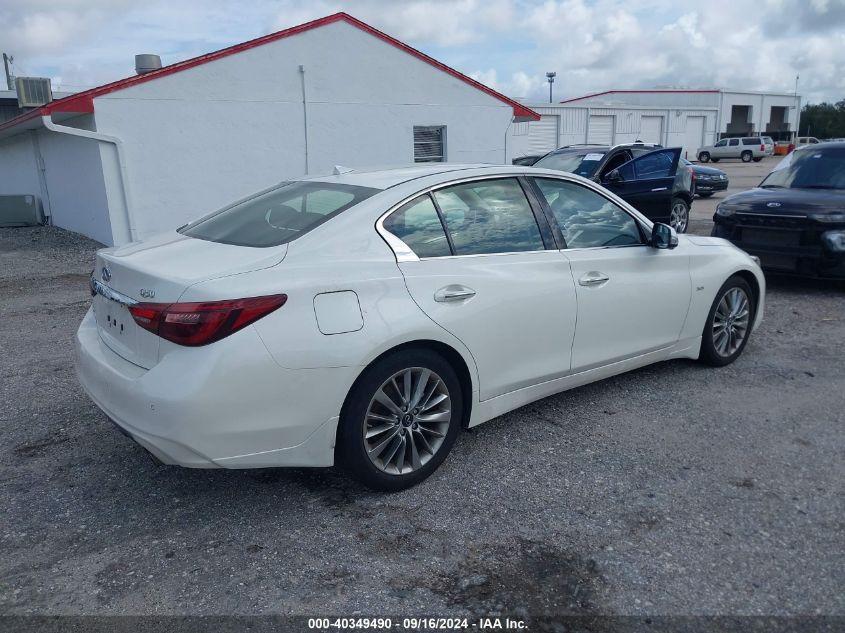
(676, 489)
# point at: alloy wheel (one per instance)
(679, 217)
(407, 420)
(730, 322)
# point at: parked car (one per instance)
(708, 180)
(646, 176)
(527, 161)
(806, 140)
(795, 219)
(769, 144)
(364, 319)
(746, 149)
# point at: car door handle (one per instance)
(454, 292)
(593, 278)
(660, 189)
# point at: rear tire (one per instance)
(757, 160)
(715, 160)
(746, 156)
(679, 215)
(704, 157)
(731, 316)
(705, 195)
(393, 444)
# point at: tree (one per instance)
(823, 120)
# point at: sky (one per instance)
(592, 45)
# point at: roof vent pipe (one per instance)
(147, 63)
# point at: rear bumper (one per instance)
(808, 256)
(228, 406)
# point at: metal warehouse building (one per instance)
(676, 118)
(148, 153)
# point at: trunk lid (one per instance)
(159, 270)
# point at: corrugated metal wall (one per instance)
(573, 126)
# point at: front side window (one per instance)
(277, 216)
(429, 143)
(586, 218)
(655, 165)
(489, 216)
(417, 224)
(721, 143)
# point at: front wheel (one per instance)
(679, 216)
(746, 157)
(400, 420)
(728, 323)
(704, 157)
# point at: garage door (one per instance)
(651, 129)
(601, 130)
(542, 135)
(693, 136)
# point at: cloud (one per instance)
(509, 44)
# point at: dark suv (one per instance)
(649, 177)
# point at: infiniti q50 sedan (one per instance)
(364, 319)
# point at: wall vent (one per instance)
(33, 92)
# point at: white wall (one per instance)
(574, 121)
(203, 137)
(18, 169)
(74, 177)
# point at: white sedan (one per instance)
(364, 319)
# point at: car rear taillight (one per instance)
(762, 148)
(195, 324)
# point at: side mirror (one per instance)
(663, 236)
(613, 176)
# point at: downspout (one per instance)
(305, 117)
(118, 145)
(505, 159)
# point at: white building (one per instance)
(672, 118)
(150, 152)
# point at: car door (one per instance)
(720, 149)
(490, 279)
(734, 148)
(632, 298)
(647, 182)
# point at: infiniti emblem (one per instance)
(773, 204)
(106, 274)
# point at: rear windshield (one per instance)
(277, 216)
(810, 169)
(581, 163)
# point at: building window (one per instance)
(429, 143)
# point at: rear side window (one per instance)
(489, 216)
(417, 224)
(733, 142)
(278, 216)
(752, 141)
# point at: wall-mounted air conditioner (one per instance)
(33, 92)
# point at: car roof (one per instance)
(386, 177)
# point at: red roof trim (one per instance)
(84, 101)
(657, 90)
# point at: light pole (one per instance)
(550, 77)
